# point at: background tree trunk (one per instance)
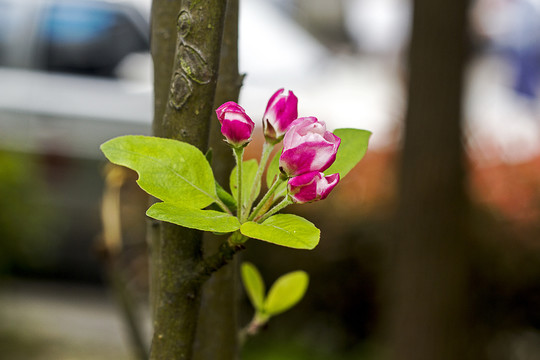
(430, 275)
(183, 107)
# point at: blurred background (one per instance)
(75, 73)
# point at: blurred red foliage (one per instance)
(509, 189)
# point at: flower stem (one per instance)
(269, 193)
(284, 203)
(252, 328)
(239, 155)
(222, 205)
(266, 150)
(280, 194)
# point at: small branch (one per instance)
(216, 261)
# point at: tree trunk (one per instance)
(184, 98)
(429, 280)
(218, 324)
(163, 41)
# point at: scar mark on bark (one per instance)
(184, 23)
(180, 90)
(194, 65)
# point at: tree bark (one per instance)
(218, 320)
(429, 279)
(198, 27)
(163, 45)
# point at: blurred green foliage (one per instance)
(26, 222)
(296, 348)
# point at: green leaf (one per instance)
(249, 170)
(286, 292)
(285, 230)
(227, 198)
(254, 285)
(353, 147)
(206, 220)
(170, 170)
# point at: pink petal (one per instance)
(330, 183)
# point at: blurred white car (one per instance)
(65, 82)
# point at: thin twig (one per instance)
(216, 261)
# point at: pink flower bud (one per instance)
(308, 146)
(311, 186)
(281, 111)
(236, 125)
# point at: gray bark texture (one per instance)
(186, 45)
(430, 275)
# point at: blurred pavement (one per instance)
(51, 321)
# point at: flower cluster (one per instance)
(308, 148)
(181, 177)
